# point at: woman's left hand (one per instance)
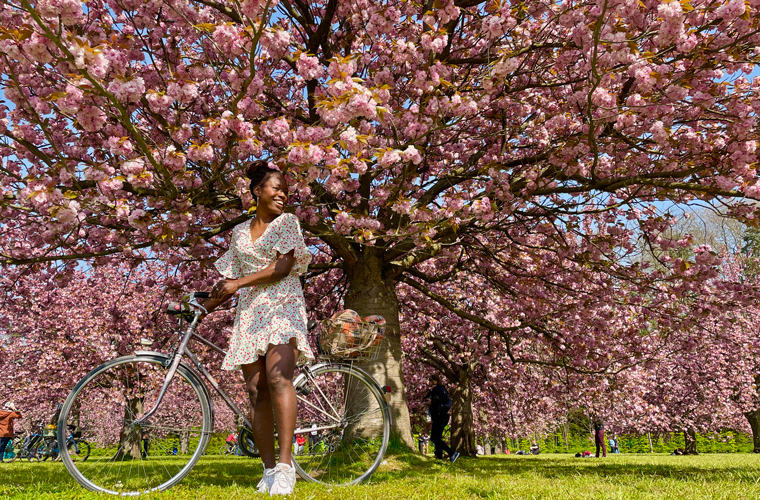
(224, 289)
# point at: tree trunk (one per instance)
(130, 437)
(184, 442)
(754, 422)
(565, 435)
(690, 438)
(487, 445)
(368, 293)
(462, 417)
(649, 438)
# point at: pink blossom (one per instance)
(506, 67)
(91, 118)
(69, 11)
(276, 130)
(412, 154)
(389, 158)
(138, 218)
(133, 167)
(202, 152)
(127, 90)
(309, 67)
(252, 8)
(436, 44)
(659, 134)
(228, 39)
(731, 10)
(120, 146)
(72, 101)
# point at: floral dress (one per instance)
(266, 314)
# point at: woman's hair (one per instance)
(437, 377)
(258, 172)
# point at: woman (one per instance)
(269, 337)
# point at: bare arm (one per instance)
(273, 273)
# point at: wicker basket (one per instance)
(349, 340)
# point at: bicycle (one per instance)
(162, 396)
(235, 450)
(26, 448)
(77, 448)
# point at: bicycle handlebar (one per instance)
(178, 308)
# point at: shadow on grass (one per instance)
(564, 466)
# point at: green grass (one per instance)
(730, 476)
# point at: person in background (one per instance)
(231, 442)
(535, 449)
(424, 443)
(614, 445)
(8, 414)
(300, 442)
(439, 402)
(145, 444)
(479, 450)
(313, 439)
(599, 437)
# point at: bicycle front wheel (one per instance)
(127, 458)
(79, 450)
(343, 415)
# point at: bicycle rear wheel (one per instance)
(126, 458)
(342, 413)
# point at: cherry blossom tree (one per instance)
(406, 128)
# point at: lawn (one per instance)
(729, 476)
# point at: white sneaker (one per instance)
(284, 480)
(266, 482)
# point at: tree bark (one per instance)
(130, 437)
(690, 438)
(754, 422)
(565, 433)
(369, 293)
(184, 442)
(462, 417)
(487, 445)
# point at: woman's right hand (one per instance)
(224, 290)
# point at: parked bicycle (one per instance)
(78, 449)
(25, 447)
(161, 396)
(231, 450)
(12, 449)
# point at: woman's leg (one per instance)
(280, 368)
(261, 409)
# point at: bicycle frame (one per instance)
(184, 350)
